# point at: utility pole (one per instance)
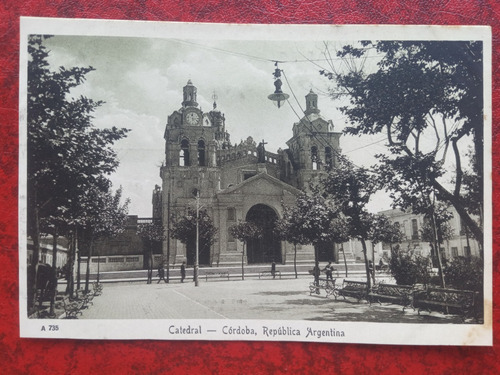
(196, 261)
(168, 237)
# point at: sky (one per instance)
(141, 80)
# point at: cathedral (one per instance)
(238, 182)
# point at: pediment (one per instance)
(260, 184)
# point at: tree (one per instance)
(104, 216)
(151, 233)
(383, 230)
(313, 220)
(465, 273)
(420, 91)
(245, 231)
(350, 188)
(184, 228)
(66, 154)
(408, 268)
(289, 229)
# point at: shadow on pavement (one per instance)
(279, 293)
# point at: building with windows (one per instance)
(460, 243)
(46, 254)
(239, 182)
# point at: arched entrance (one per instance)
(268, 248)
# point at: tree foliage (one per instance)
(383, 230)
(104, 213)
(421, 90)
(151, 232)
(66, 153)
(465, 273)
(408, 268)
(184, 228)
(68, 159)
(245, 231)
(103, 216)
(443, 229)
(350, 187)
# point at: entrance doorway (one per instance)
(268, 248)
(203, 255)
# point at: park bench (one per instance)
(86, 298)
(382, 267)
(397, 294)
(269, 273)
(72, 307)
(356, 289)
(216, 274)
(449, 301)
(327, 285)
(97, 289)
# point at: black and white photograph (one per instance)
(255, 182)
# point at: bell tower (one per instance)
(311, 103)
(189, 92)
(313, 147)
(192, 138)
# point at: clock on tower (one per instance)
(192, 118)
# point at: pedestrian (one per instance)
(183, 271)
(329, 271)
(273, 269)
(161, 273)
(316, 272)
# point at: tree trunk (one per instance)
(36, 255)
(71, 264)
(243, 262)
(98, 267)
(476, 230)
(54, 267)
(79, 263)
(295, 260)
(345, 262)
(368, 277)
(373, 263)
(150, 262)
(436, 247)
(87, 273)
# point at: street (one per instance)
(286, 299)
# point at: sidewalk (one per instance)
(249, 299)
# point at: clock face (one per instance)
(192, 118)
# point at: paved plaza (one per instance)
(286, 299)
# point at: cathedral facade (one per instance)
(238, 182)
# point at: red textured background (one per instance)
(30, 356)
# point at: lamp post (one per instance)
(196, 260)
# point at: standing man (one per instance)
(329, 271)
(183, 271)
(161, 273)
(273, 269)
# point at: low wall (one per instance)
(115, 263)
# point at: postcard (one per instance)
(316, 183)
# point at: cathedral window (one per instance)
(314, 158)
(231, 214)
(328, 157)
(414, 229)
(201, 153)
(184, 154)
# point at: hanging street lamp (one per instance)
(278, 97)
